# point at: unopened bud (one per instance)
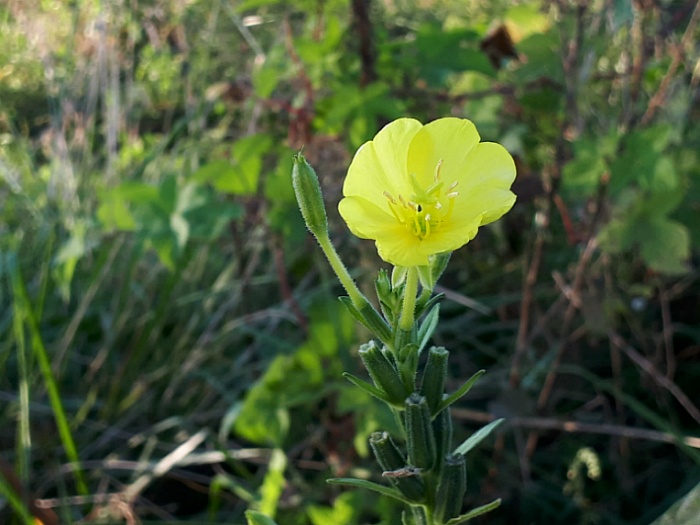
(309, 197)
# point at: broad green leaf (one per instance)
(637, 162)
(137, 192)
(665, 246)
(258, 518)
(213, 171)
(542, 58)
(582, 174)
(246, 159)
(526, 19)
(346, 510)
(294, 380)
(113, 213)
(262, 420)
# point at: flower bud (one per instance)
(394, 466)
(451, 488)
(442, 430)
(420, 440)
(383, 372)
(309, 197)
(434, 377)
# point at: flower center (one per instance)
(427, 209)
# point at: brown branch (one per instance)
(660, 379)
(285, 289)
(363, 25)
(541, 423)
(570, 64)
(660, 96)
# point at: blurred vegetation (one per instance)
(170, 341)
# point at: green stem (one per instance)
(351, 288)
(409, 300)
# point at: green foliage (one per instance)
(157, 277)
(295, 380)
(167, 216)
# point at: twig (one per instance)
(663, 381)
(163, 466)
(542, 423)
(363, 24)
(574, 301)
(659, 97)
(285, 290)
(667, 333)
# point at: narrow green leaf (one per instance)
(370, 319)
(475, 513)
(16, 502)
(367, 387)
(466, 387)
(273, 484)
(428, 326)
(369, 485)
(477, 437)
(24, 309)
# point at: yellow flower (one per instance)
(422, 190)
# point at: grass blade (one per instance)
(24, 310)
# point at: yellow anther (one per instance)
(437, 170)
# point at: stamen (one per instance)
(422, 211)
(437, 170)
(418, 231)
(394, 213)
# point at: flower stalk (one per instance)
(436, 185)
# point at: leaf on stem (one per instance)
(369, 485)
(475, 513)
(370, 389)
(466, 387)
(427, 327)
(477, 437)
(258, 518)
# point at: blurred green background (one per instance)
(170, 339)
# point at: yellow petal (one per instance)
(379, 165)
(448, 141)
(484, 188)
(403, 249)
(365, 219)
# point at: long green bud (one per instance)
(309, 197)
